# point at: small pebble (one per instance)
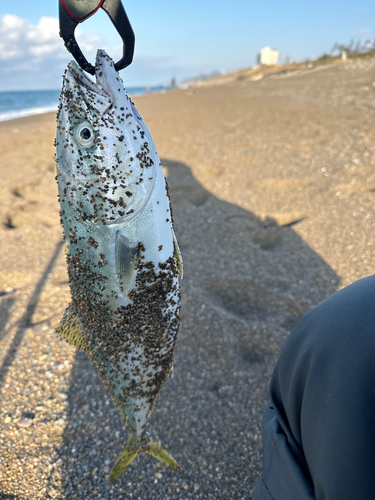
(24, 422)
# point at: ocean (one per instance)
(33, 102)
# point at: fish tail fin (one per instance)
(128, 454)
(158, 452)
(133, 449)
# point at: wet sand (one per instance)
(272, 184)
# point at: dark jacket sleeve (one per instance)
(319, 430)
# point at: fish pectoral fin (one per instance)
(126, 254)
(128, 454)
(71, 330)
(133, 448)
(177, 255)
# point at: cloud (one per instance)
(33, 56)
(362, 33)
(35, 53)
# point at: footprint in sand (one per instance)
(266, 234)
(196, 195)
(248, 300)
(279, 184)
(348, 188)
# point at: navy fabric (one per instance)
(319, 427)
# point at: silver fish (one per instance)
(122, 254)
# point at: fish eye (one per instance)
(84, 134)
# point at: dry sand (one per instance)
(272, 184)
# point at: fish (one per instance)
(123, 259)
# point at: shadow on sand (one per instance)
(26, 320)
(246, 283)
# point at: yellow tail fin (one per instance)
(131, 450)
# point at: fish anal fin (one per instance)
(177, 255)
(71, 330)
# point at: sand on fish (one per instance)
(272, 186)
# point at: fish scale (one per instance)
(122, 254)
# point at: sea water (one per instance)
(16, 104)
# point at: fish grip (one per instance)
(71, 13)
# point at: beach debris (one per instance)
(122, 254)
(9, 223)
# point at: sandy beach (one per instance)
(272, 183)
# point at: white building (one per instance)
(268, 56)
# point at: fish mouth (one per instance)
(97, 96)
(107, 77)
(83, 80)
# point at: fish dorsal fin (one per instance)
(177, 255)
(71, 330)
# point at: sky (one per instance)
(176, 39)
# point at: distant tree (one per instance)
(353, 48)
(335, 48)
(324, 57)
